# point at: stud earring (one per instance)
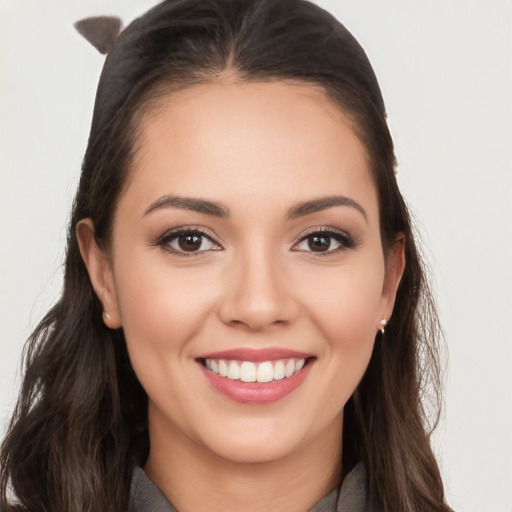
(383, 324)
(106, 315)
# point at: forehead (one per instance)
(235, 141)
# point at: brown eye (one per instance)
(319, 243)
(325, 241)
(190, 242)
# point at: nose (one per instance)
(258, 292)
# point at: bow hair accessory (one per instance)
(100, 31)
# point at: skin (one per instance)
(258, 150)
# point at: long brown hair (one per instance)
(80, 423)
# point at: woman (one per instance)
(244, 313)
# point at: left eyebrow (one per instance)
(323, 203)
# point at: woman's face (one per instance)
(246, 245)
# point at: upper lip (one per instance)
(256, 355)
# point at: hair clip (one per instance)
(100, 31)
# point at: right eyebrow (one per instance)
(188, 203)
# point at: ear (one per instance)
(395, 265)
(100, 272)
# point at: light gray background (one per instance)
(445, 70)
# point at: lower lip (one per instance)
(256, 392)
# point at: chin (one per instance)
(263, 440)
(254, 450)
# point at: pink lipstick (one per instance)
(256, 376)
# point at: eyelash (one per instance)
(345, 240)
(165, 240)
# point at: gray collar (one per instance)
(352, 496)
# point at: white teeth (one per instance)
(233, 370)
(279, 370)
(265, 372)
(248, 371)
(223, 368)
(289, 368)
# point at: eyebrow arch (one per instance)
(323, 203)
(188, 203)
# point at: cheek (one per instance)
(342, 307)
(345, 306)
(161, 308)
(346, 302)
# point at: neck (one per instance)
(179, 467)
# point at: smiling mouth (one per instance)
(249, 371)
(256, 376)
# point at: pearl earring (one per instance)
(106, 315)
(383, 324)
